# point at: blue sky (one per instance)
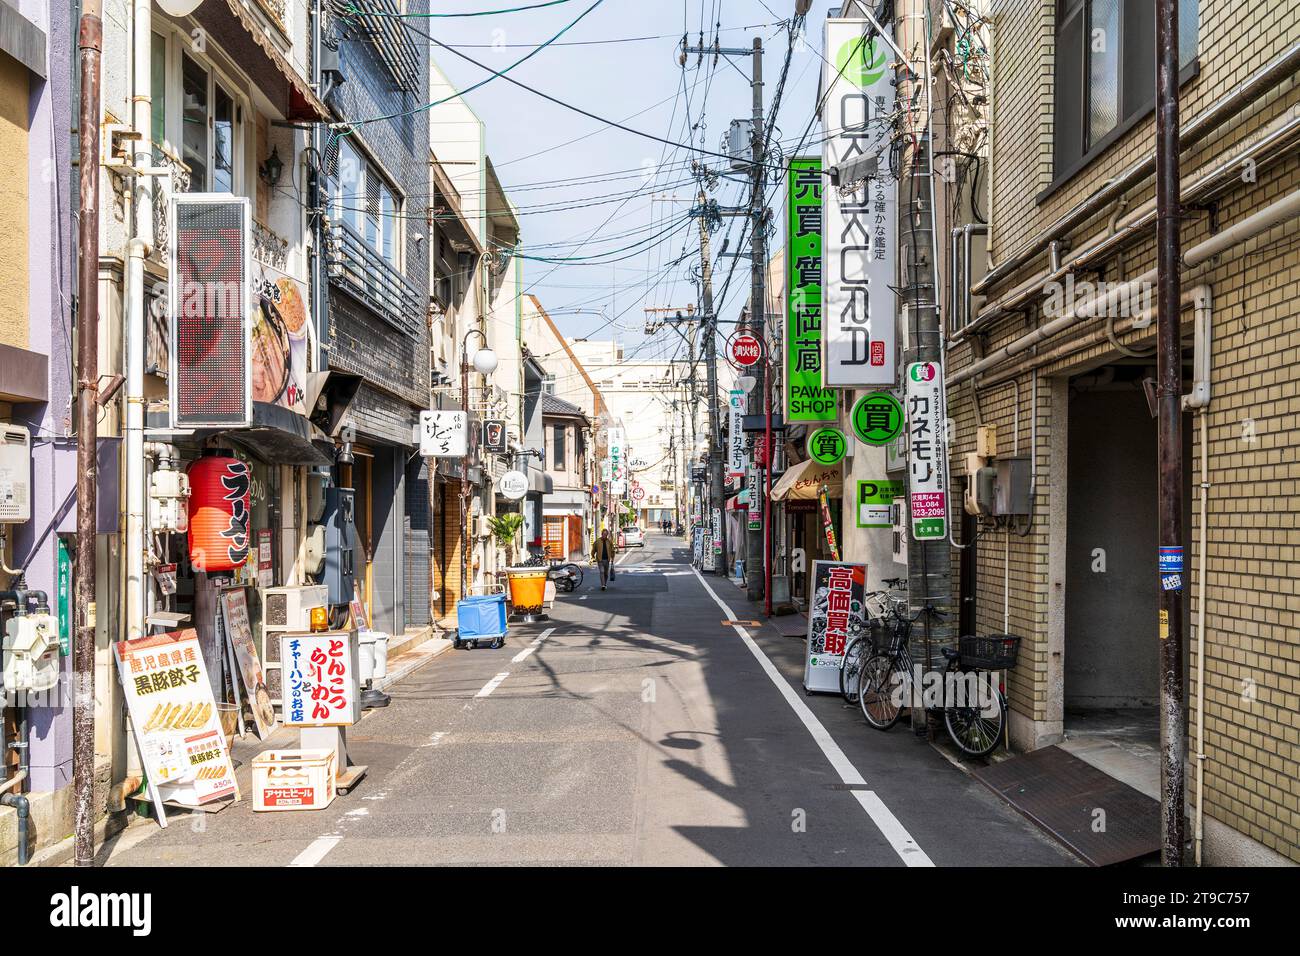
(529, 142)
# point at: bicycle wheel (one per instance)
(973, 731)
(882, 686)
(855, 656)
(575, 575)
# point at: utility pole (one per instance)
(929, 571)
(755, 553)
(90, 47)
(717, 494)
(1169, 372)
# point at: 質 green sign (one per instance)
(827, 445)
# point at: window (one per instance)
(197, 114)
(548, 384)
(1105, 72)
(557, 445)
(366, 203)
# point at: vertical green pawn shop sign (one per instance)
(807, 400)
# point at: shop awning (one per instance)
(282, 437)
(237, 31)
(802, 482)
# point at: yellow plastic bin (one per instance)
(527, 592)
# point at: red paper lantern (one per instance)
(219, 513)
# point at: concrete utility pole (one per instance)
(929, 570)
(755, 558)
(1169, 390)
(717, 493)
(90, 46)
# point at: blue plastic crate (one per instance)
(481, 616)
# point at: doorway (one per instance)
(1111, 667)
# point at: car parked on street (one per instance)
(631, 537)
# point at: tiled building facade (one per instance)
(1078, 581)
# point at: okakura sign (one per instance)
(807, 400)
(859, 338)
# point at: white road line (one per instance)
(623, 557)
(316, 851)
(531, 647)
(907, 849)
(492, 685)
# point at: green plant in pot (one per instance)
(505, 530)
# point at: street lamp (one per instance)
(485, 363)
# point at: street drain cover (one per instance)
(742, 623)
(1101, 819)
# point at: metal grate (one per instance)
(209, 313)
(379, 20)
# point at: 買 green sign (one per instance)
(827, 446)
(877, 418)
(806, 398)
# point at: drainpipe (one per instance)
(1279, 212)
(17, 800)
(1220, 112)
(1198, 400)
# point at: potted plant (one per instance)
(505, 528)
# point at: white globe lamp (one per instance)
(485, 361)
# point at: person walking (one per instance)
(602, 552)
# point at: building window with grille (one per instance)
(366, 203)
(1105, 73)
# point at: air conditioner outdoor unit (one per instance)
(285, 610)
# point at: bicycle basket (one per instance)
(993, 652)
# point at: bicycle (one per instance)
(877, 606)
(887, 685)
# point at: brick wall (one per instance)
(1252, 608)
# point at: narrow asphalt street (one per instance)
(634, 727)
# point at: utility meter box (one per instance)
(31, 653)
(340, 544)
(15, 474)
(169, 493)
(1011, 487)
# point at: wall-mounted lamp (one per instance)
(270, 170)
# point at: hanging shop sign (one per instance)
(444, 434)
(744, 350)
(927, 460)
(718, 558)
(281, 338)
(827, 445)
(859, 335)
(877, 418)
(219, 509)
(513, 485)
(320, 679)
(239, 632)
(835, 618)
(174, 718)
(807, 399)
(494, 436)
(875, 499)
(754, 488)
(736, 434)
